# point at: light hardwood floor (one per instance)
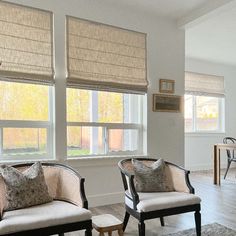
(218, 205)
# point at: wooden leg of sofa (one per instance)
(126, 219)
(141, 228)
(88, 232)
(162, 221)
(198, 222)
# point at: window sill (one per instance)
(99, 160)
(205, 134)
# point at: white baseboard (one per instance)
(105, 199)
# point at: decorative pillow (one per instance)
(25, 189)
(151, 178)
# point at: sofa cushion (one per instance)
(151, 178)
(159, 201)
(41, 216)
(25, 189)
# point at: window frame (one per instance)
(106, 126)
(221, 119)
(48, 125)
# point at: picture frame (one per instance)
(166, 86)
(167, 103)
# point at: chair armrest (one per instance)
(65, 184)
(130, 191)
(180, 178)
(72, 188)
(1, 211)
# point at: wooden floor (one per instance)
(218, 205)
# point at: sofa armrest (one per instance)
(180, 178)
(130, 191)
(71, 187)
(65, 184)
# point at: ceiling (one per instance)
(174, 9)
(214, 39)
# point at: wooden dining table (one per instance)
(217, 151)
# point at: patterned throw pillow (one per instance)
(25, 189)
(151, 178)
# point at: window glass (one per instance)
(123, 140)
(203, 114)
(99, 121)
(84, 141)
(20, 101)
(22, 141)
(110, 107)
(78, 105)
(207, 109)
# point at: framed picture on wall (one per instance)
(167, 103)
(166, 86)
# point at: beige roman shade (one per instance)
(103, 57)
(26, 44)
(202, 84)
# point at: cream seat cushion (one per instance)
(41, 216)
(163, 200)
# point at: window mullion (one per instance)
(106, 139)
(194, 114)
(1, 141)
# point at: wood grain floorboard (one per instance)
(218, 205)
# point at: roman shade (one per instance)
(26, 44)
(202, 84)
(104, 57)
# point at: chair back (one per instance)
(63, 183)
(229, 140)
(127, 168)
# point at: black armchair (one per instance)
(150, 205)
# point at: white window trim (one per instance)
(221, 120)
(32, 124)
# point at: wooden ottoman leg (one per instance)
(110, 233)
(120, 232)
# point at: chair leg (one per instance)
(88, 232)
(141, 228)
(126, 219)
(61, 234)
(162, 221)
(197, 215)
(228, 165)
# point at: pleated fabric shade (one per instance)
(202, 84)
(26, 44)
(104, 57)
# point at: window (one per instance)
(103, 123)
(26, 73)
(204, 114)
(109, 63)
(204, 103)
(25, 121)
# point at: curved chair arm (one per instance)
(130, 191)
(180, 178)
(69, 186)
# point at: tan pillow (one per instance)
(151, 178)
(25, 189)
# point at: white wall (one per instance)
(199, 148)
(165, 131)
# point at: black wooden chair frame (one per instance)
(230, 158)
(59, 229)
(142, 216)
